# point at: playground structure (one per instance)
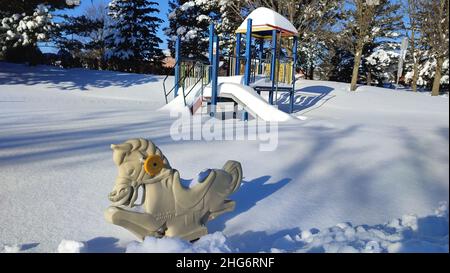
(256, 70)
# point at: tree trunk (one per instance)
(437, 77)
(415, 76)
(356, 68)
(369, 78)
(311, 72)
(415, 59)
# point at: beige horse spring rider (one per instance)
(170, 208)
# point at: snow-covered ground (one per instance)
(365, 171)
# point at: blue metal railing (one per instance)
(190, 79)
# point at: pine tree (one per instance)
(82, 38)
(434, 28)
(426, 19)
(382, 63)
(10, 7)
(133, 44)
(190, 19)
(231, 17)
(414, 53)
(25, 23)
(339, 62)
(426, 69)
(368, 23)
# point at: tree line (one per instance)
(120, 35)
(355, 41)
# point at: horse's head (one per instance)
(137, 160)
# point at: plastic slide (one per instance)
(245, 96)
(252, 102)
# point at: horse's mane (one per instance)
(145, 147)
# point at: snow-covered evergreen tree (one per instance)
(426, 71)
(427, 29)
(24, 30)
(190, 20)
(338, 63)
(434, 29)
(82, 37)
(311, 53)
(369, 24)
(133, 44)
(314, 21)
(382, 64)
(25, 23)
(230, 12)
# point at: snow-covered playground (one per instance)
(364, 171)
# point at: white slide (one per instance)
(230, 87)
(252, 102)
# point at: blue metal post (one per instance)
(210, 49)
(215, 75)
(261, 51)
(245, 116)
(294, 67)
(237, 68)
(273, 64)
(177, 65)
(248, 52)
(248, 59)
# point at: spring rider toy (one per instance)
(169, 208)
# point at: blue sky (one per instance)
(163, 7)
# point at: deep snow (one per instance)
(362, 158)
(407, 234)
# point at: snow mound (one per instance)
(406, 234)
(69, 246)
(10, 248)
(215, 243)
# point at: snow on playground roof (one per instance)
(265, 20)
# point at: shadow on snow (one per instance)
(70, 79)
